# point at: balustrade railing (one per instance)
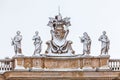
(6, 65)
(114, 64)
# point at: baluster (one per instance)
(110, 64)
(9, 66)
(0, 66)
(5, 65)
(119, 65)
(113, 65)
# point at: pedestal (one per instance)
(104, 62)
(19, 64)
(62, 63)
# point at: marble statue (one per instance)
(16, 42)
(59, 31)
(86, 43)
(105, 42)
(37, 43)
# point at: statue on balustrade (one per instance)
(105, 43)
(59, 31)
(86, 43)
(37, 43)
(16, 42)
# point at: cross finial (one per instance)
(58, 9)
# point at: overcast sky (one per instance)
(91, 16)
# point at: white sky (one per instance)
(91, 16)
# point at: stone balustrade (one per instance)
(6, 65)
(114, 64)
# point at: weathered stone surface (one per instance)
(60, 68)
(60, 75)
(56, 62)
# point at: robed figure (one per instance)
(85, 39)
(16, 42)
(37, 43)
(105, 43)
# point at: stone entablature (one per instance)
(60, 75)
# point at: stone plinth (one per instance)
(84, 63)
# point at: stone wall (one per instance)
(2, 77)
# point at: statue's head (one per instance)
(104, 32)
(36, 32)
(85, 34)
(18, 32)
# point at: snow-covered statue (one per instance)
(59, 31)
(37, 43)
(105, 43)
(16, 42)
(85, 39)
